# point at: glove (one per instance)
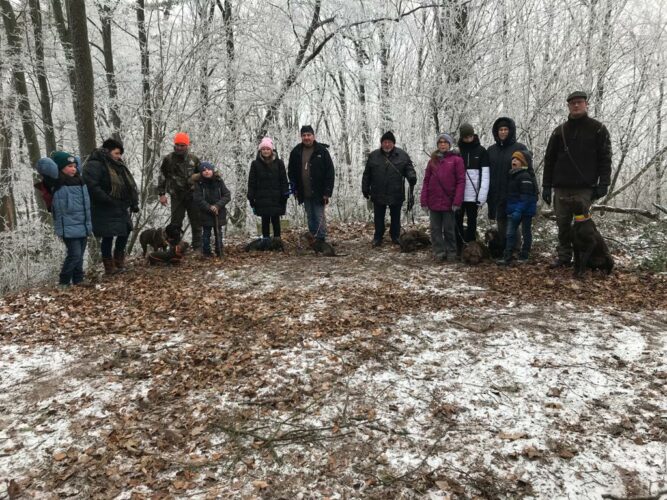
(367, 195)
(325, 200)
(134, 209)
(599, 191)
(455, 208)
(546, 195)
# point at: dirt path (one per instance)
(377, 375)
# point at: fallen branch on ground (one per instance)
(606, 208)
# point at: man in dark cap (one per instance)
(311, 175)
(577, 169)
(384, 183)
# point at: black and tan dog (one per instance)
(263, 245)
(413, 240)
(156, 238)
(494, 243)
(590, 249)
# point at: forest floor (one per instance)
(372, 375)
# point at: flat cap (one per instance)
(577, 95)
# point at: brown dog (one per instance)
(413, 240)
(590, 249)
(474, 252)
(156, 238)
(320, 247)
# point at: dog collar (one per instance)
(581, 218)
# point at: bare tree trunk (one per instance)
(66, 42)
(85, 87)
(659, 167)
(29, 132)
(7, 204)
(385, 81)
(604, 61)
(106, 15)
(361, 58)
(44, 96)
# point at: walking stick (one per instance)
(216, 233)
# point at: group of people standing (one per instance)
(459, 178)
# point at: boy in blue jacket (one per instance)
(521, 205)
(70, 210)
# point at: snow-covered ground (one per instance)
(378, 375)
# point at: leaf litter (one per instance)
(375, 375)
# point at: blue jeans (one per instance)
(206, 240)
(379, 212)
(107, 244)
(72, 270)
(513, 221)
(315, 215)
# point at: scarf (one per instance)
(69, 180)
(123, 186)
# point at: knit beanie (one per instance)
(466, 130)
(446, 138)
(388, 136)
(182, 138)
(521, 157)
(206, 165)
(62, 159)
(307, 129)
(266, 143)
(111, 144)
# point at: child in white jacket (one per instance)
(476, 161)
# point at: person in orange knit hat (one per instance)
(176, 171)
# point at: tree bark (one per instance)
(7, 204)
(44, 95)
(85, 84)
(66, 42)
(106, 15)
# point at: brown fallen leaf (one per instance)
(260, 485)
(61, 455)
(13, 489)
(512, 436)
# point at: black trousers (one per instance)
(469, 211)
(379, 212)
(271, 220)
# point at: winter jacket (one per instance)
(476, 161)
(500, 161)
(321, 168)
(384, 175)
(176, 172)
(268, 188)
(71, 203)
(110, 216)
(522, 190)
(578, 155)
(444, 182)
(207, 192)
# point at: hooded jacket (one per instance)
(500, 161)
(385, 174)
(71, 203)
(522, 189)
(320, 167)
(476, 161)
(268, 189)
(444, 182)
(207, 192)
(578, 155)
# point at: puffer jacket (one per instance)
(522, 190)
(500, 161)
(268, 189)
(209, 192)
(321, 169)
(71, 203)
(444, 182)
(385, 174)
(476, 161)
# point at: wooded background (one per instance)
(228, 72)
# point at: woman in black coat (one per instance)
(268, 188)
(113, 194)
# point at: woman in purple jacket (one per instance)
(442, 195)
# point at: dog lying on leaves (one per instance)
(261, 245)
(590, 249)
(320, 247)
(413, 240)
(474, 252)
(156, 238)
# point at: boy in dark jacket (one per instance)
(521, 205)
(71, 211)
(211, 196)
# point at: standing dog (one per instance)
(590, 249)
(156, 238)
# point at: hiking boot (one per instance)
(377, 243)
(560, 263)
(119, 262)
(109, 267)
(394, 241)
(504, 262)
